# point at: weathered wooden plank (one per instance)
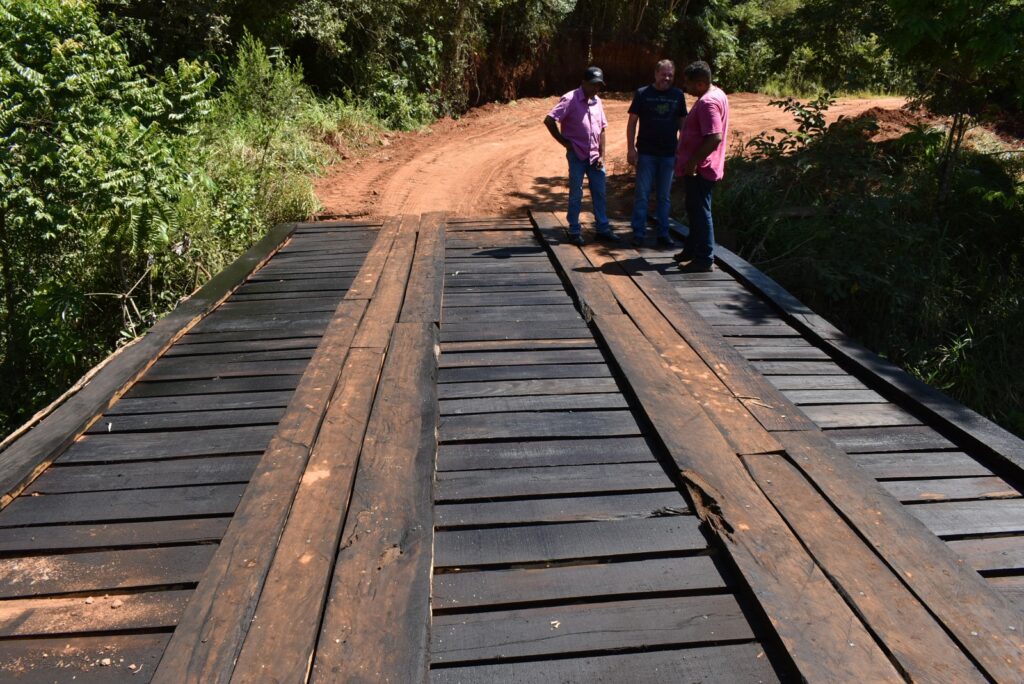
(383, 310)
(897, 618)
(55, 428)
(984, 624)
(520, 314)
(364, 285)
(177, 388)
(958, 518)
(309, 285)
(107, 659)
(543, 453)
(772, 353)
(55, 538)
(379, 602)
(426, 283)
(592, 300)
(883, 439)
(132, 504)
(992, 554)
(537, 372)
(519, 358)
(199, 402)
(195, 346)
(299, 576)
(920, 464)
(586, 628)
(808, 614)
(833, 396)
(552, 402)
(453, 591)
(102, 572)
(34, 616)
(174, 473)
(859, 415)
(293, 323)
(549, 480)
(798, 368)
(539, 330)
(540, 425)
(739, 664)
(540, 543)
(572, 509)
(165, 370)
(1012, 588)
(502, 299)
(817, 382)
(513, 345)
(144, 446)
(453, 391)
(951, 489)
(152, 422)
(276, 306)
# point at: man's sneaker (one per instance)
(575, 239)
(682, 256)
(607, 236)
(697, 267)
(665, 242)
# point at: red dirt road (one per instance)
(499, 159)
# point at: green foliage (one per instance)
(849, 226)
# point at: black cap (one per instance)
(594, 75)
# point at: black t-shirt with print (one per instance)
(659, 112)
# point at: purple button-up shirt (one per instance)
(582, 122)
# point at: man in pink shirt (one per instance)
(701, 162)
(583, 122)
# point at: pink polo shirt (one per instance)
(582, 123)
(709, 115)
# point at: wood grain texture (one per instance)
(426, 283)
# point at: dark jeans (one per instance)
(700, 243)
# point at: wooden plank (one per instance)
(108, 659)
(897, 618)
(150, 422)
(379, 603)
(53, 538)
(1012, 588)
(145, 446)
(364, 285)
(198, 370)
(992, 554)
(174, 473)
(572, 509)
(539, 330)
(453, 391)
(540, 425)
(274, 306)
(771, 353)
(540, 543)
(309, 285)
(195, 346)
(132, 504)
(298, 579)
(592, 300)
(454, 591)
(985, 625)
(817, 382)
(525, 345)
(519, 358)
(289, 322)
(833, 396)
(951, 489)
(552, 402)
(739, 664)
(199, 402)
(543, 453)
(102, 572)
(502, 299)
(47, 616)
(883, 439)
(56, 427)
(538, 372)
(519, 314)
(920, 464)
(426, 284)
(549, 480)
(959, 518)
(219, 614)
(177, 388)
(383, 310)
(859, 415)
(808, 614)
(798, 368)
(587, 628)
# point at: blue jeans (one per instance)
(700, 243)
(596, 178)
(656, 171)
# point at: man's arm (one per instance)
(555, 133)
(631, 139)
(710, 144)
(600, 151)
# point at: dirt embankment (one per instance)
(499, 160)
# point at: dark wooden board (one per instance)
(454, 391)
(498, 331)
(587, 628)
(454, 591)
(51, 616)
(553, 402)
(255, 336)
(197, 347)
(798, 368)
(833, 396)
(503, 299)
(308, 285)
(951, 489)
(426, 282)
(542, 425)
(513, 345)
(137, 504)
(543, 453)
(550, 480)
(816, 382)
(958, 518)
(574, 509)
(859, 415)
(187, 420)
(914, 464)
(538, 372)
(1012, 588)
(542, 543)
(285, 322)
(103, 572)
(737, 664)
(879, 440)
(181, 370)
(132, 659)
(519, 358)
(146, 446)
(383, 310)
(782, 353)
(992, 554)
(177, 388)
(182, 472)
(135, 406)
(274, 306)
(520, 314)
(54, 538)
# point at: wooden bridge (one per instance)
(464, 450)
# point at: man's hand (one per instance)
(690, 167)
(631, 156)
(599, 164)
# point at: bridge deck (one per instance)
(584, 467)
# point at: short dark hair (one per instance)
(698, 71)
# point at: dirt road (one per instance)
(499, 159)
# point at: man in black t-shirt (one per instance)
(660, 110)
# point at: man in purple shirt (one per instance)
(582, 135)
(701, 162)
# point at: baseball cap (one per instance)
(594, 75)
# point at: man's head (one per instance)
(697, 78)
(664, 74)
(593, 81)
